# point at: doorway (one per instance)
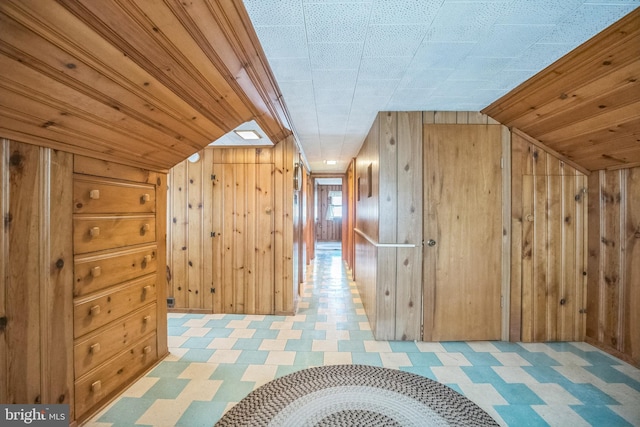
(328, 210)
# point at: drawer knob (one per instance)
(95, 310)
(95, 348)
(145, 290)
(94, 231)
(146, 350)
(145, 228)
(146, 319)
(145, 198)
(94, 194)
(96, 386)
(96, 271)
(147, 259)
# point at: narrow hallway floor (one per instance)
(218, 359)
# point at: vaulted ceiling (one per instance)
(149, 82)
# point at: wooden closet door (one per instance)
(463, 221)
(243, 240)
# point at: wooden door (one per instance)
(328, 229)
(463, 217)
(243, 239)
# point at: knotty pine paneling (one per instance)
(585, 105)
(613, 303)
(139, 83)
(36, 262)
(327, 229)
(388, 175)
(232, 217)
(548, 263)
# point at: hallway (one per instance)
(217, 359)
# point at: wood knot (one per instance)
(60, 263)
(16, 159)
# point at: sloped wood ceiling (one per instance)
(585, 106)
(141, 82)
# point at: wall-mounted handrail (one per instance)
(383, 245)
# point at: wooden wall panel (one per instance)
(36, 286)
(409, 226)
(233, 230)
(388, 210)
(548, 247)
(614, 232)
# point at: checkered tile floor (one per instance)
(217, 359)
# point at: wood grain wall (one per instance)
(245, 196)
(327, 229)
(388, 176)
(36, 275)
(548, 264)
(613, 280)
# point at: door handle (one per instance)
(431, 242)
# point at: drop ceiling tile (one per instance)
(283, 41)
(338, 98)
(423, 78)
(479, 68)
(375, 88)
(333, 109)
(478, 15)
(404, 12)
(336, 22)
(286, 69)
(335, 55)
(441, 54)
(539, 56)
(408, 99)
(510, 40)
(585, 22)
(297, 92)
(382, 68)
(393, 40)
(335, 79)
(281, 12)
(460, 88)
(537, 12)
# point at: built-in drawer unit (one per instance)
(100, 308)
(108, 377)
(95, 233)
(99, 195)
(98, 270)
(117, 255)
(95, 348)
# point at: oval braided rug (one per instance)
(354, 395)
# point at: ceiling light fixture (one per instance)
(331, 162)
(248, 134)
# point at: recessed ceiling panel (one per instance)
(404, 12)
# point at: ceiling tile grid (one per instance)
(339, 62)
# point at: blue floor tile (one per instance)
(201, 414)
(598, 415)
(518, 394)
(166, 388)
(197, 355)
(611, 375)
(520, 416)
(169, 369)
(126, 411)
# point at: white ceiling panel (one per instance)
(335, 55)
(284, 41)
(336, 22)
(287, 69)
(339, 62)
(394, 40)
(404, 12)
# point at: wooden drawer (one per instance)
(93, 349)
(99, 383)
(98, 309)
(96, 233)
(97, 271)
(97, 195)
